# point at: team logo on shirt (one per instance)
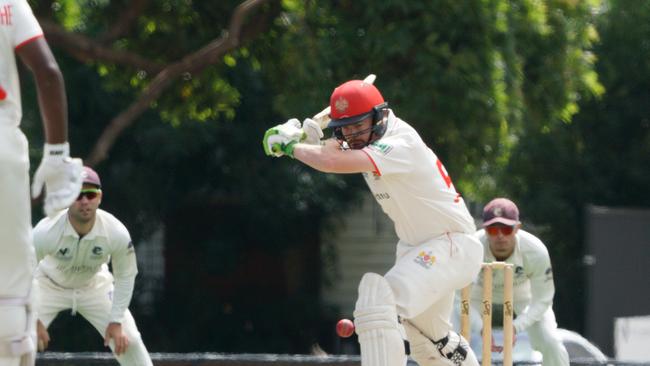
(97, 251)
(425, 259)
(519, 271)
(381, 147)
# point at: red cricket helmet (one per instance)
(354, 101)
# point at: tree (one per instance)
(600, 158)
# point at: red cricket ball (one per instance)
(3, 94)
(345, 328)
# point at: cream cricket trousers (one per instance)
(543, 337)
(17, 261)
(94, 303)
(425, 277)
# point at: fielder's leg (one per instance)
(95, 306)
(375, 319)
(543, 337)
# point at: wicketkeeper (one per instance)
(436, 253)
(533, 288)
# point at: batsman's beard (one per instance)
(356, 141)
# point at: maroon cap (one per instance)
(91, 177)
(500, 210)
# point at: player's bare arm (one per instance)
(37, 56)
(330, 158)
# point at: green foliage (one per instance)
(600, 158)
(470, 76)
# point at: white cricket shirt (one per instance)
(413, 187)
(71, 262)
(18, 26)
(533, 287)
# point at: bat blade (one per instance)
(323, 117)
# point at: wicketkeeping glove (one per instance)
(61, 176)
(313, 131)
(280, 140)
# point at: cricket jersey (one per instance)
(413, 187)
(71, 262)
(533, 287)
(18, 26)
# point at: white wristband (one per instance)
(56, 151)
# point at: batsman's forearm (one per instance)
(53, 105)
(314, 156)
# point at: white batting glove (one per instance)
(61, 176)
(279, 140)
(313, 131)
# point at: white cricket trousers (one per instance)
(425, 277)
(17, 260)
(94, 303)
(543, 337)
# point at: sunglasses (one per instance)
(90, 194)
(494, 230)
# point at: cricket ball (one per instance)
(345, 328)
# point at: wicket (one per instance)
(486, 313)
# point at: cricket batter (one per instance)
(436, 253)
(73, 249)
(533, 288)
(21, 35)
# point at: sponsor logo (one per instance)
(498, 211)
(97, 251)
(64, 253)
(382, 196)
(341, 104)
(425, 259)
(381, 147)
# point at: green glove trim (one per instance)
(270, 132)
(286, 149)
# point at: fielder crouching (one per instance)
(437, 252)
(73, 249)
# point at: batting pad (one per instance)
(375, 319)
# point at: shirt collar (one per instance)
(97, 229)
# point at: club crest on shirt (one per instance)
(425, 259)
(519, 271)
(381, 147)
